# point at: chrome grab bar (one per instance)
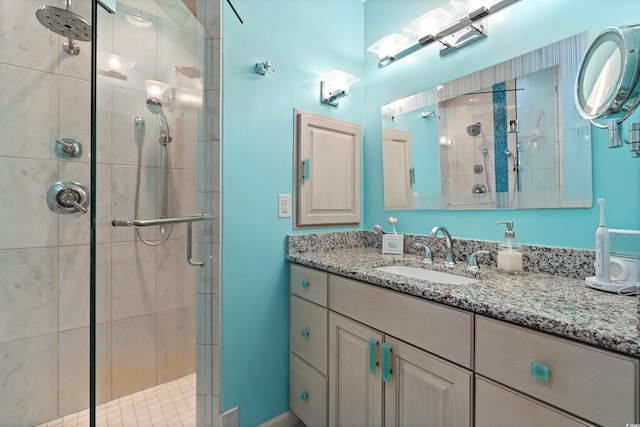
(189, 220)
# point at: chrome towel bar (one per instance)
(189, 220)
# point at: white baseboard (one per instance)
(288, 419)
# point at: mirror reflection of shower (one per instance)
(515, 158)
(67, 24)
(155, 106)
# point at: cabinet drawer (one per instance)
(308, 332)
(499, 407)
(307, 393)
(594, 384)
(440, 330)
(309, 284)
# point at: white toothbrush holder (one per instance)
(393, 244)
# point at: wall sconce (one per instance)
(335, 85)
(156, 89)
(433, 26)
(114, 66)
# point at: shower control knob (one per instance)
(68, 148)
(68, 198)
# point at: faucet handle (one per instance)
(472, 264)
(427, 252)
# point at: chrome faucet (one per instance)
(448, 259)
(427, 252)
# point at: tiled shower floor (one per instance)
(172, 404)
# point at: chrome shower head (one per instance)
(65, 23)
(474, 129)
(155, 106)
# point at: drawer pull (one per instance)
(373, 344)
(386, 363)
(304, 333)
(304, 284)
(304, 396)
(539, 371)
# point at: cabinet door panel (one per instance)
(396, 169)
(328, 165)
(355, 395)
(424, 390)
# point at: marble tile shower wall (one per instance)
(146, 295)
(208, 185)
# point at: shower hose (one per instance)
(167, 196)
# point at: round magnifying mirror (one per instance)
(608, 74)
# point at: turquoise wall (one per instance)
(523, 27)
(303, 39)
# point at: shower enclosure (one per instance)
(152, 162)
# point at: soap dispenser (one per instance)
(509, 252)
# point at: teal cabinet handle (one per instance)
(306, 172)
(304, 396)
(304, 284)
(386, 362)
(304, 333)
(373, 344)
(539, 371)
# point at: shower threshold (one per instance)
(169, 404)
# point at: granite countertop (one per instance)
(559, 305)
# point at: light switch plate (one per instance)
(284, 205)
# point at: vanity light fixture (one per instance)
(388, 46)
(433, 26)
(335, 85)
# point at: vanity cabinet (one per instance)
(308, 384)
(597, 385)
(362, 355)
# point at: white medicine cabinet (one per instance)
(327, 155)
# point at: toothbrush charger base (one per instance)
(613, 287)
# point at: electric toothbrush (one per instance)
(602, 248)
(602, 280)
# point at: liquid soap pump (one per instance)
(509, 252)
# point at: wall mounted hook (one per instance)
(265, 67)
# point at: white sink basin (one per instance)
(428, 275)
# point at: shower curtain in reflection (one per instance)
(146, 297)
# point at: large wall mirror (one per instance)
(506, 137)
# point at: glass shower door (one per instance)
(150, 115)
(152, 160)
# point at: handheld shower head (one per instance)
(155, 106)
